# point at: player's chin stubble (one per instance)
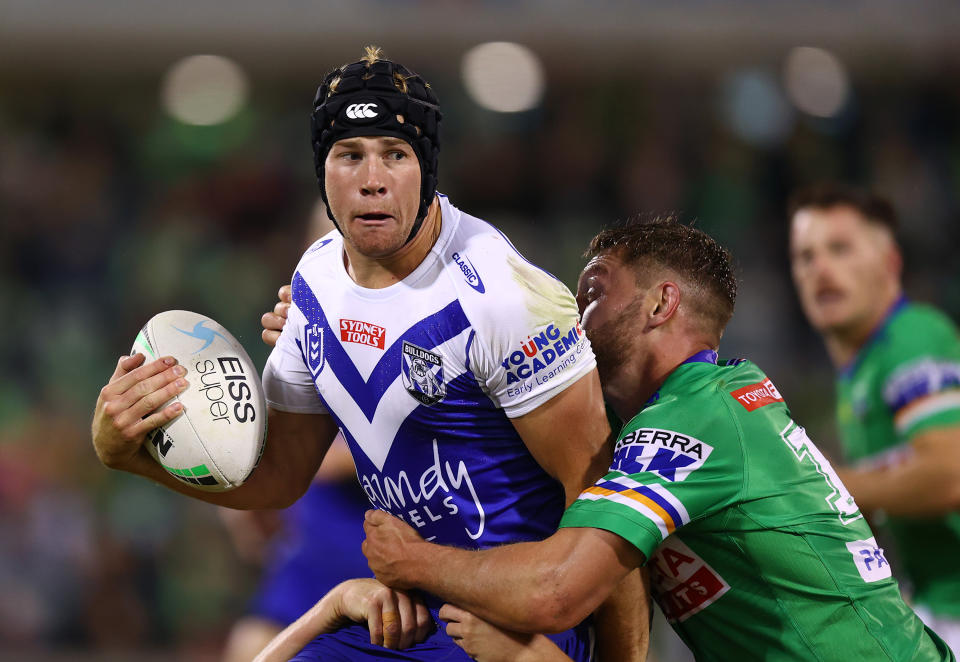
(611, 340)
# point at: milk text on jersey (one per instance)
(427, 498)
(670, 455)
(541, 351)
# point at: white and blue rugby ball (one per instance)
(216, 442)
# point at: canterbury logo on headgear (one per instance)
(359, 111)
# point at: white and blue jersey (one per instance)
(423, 377)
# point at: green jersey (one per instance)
(904, 381)
(756, 550)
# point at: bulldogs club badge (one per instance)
(423, 374)
(314, 350)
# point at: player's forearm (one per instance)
(322, 617)
(922, 480)
(623, 620)
(521, 587)
(268, 487)
(915, 488)
(541, 649)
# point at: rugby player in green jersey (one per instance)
(898, 386)
(755, 548)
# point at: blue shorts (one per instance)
(318, 548)
(353, 643)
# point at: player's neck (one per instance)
(377, 273)
(844, 343)
(636, 382)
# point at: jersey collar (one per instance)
(703, 356)
(877, 333)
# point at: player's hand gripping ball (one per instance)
(216, 442)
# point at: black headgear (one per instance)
(375, 97)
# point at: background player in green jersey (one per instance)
(756, 550)
(898, 386)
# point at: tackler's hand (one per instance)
(485, 642)
(393, 549)
(274, 320)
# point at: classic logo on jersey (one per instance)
(670, 455)
(313, 349)
(469, 272)
(362, 333)
(683, 583)
(757, 395)
(423, 374)
(869, 559)
(543, 356)
(318, 246)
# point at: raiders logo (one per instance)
(423, 374)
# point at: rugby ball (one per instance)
(216, 443)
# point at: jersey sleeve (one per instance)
(921, 383)
(287, 383)
(529, 345)
(661, 479)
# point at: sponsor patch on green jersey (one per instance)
(756, 550)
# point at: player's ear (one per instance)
(666, 301)
(895, 260)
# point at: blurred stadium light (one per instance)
(295, 36)
(503, 76)
(755, 109)
(204, 89)
(816, 81)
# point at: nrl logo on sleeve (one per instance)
(757, 395)
(670, 455)
(423, 374)
(313, 349)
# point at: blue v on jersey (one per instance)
(423, 377)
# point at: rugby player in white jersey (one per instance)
(456, 370)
